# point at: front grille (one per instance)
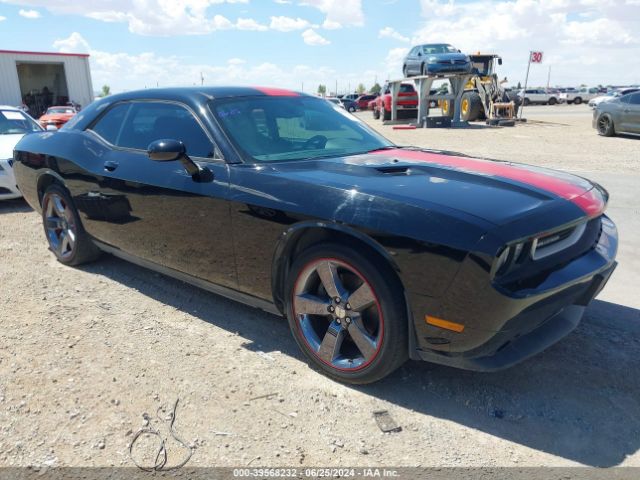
(455, 62)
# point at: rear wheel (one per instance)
(604, 125)
(526, 101)
(577, 100)
(386, 114)
(553, 101)
(376, 113)
(351, 109)
(67, 239)
(447, 108)
(347, 313)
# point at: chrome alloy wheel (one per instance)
(338, 314)
(59, 225)
(603, 124)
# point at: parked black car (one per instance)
(374, 252)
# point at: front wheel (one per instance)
(376, 113)
(67, 239)
(347, 313)
(577, 100)
(605, 126)
(351, 109)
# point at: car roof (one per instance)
(7, 107)
(206, 93)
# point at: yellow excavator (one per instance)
(484, 97)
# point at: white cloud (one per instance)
(149, 17)
(572, 33)
(311, 37)
(75, 43)
(250, 24)
(2, 18)
(128, 71)
(339, 13)
(390, 32)
(288, 24)
(283, 2)
(31, 14)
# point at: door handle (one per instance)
(110, 165)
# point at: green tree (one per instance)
(376, 89)
(322, 90)
(361, 89)
(106, 91)
(519, 86)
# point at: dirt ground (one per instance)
(86, 352)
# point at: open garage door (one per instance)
(42, 85)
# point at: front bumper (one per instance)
(504, 328)
(448, 68)
(8, 188)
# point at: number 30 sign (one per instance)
(536, 57)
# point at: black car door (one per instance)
(155, 210)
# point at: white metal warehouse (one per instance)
(40, 80)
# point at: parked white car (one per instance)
(539, 96)
(14, 124)
(594, 102)
(584, 94)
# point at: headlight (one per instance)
(432, 59)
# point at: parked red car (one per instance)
(407, 102)
(56, 117)
(363, 101)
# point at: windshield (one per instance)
(435, 49)
(58, 110)
(269, 129)
(13, 122)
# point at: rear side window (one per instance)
(110, 124)
(634, 99)
(151, 121)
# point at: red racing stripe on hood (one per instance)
(585, 196)
(277, 92)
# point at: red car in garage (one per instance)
(56, 117)
(407, 102)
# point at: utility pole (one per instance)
(548, 78)
(526, 79)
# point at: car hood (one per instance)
(7, 144)
(447, 56)
(494, 191)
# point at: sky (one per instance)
(300, 44)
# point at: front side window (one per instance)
(15, 122)
(634, 99)
(147, 122)
(293, 128)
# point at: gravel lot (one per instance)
(84, 353)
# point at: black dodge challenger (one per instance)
(374, 252)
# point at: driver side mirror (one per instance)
(169, 150)
(166, 150)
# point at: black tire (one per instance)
(605, 126)
(63, 229)
(474, 110)
(577, 100)
(405, 73)
(553, 101)
(384, 297)
(386, 114)
(424, 70)
(526, 101)
(376, 113)
(351, 109)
